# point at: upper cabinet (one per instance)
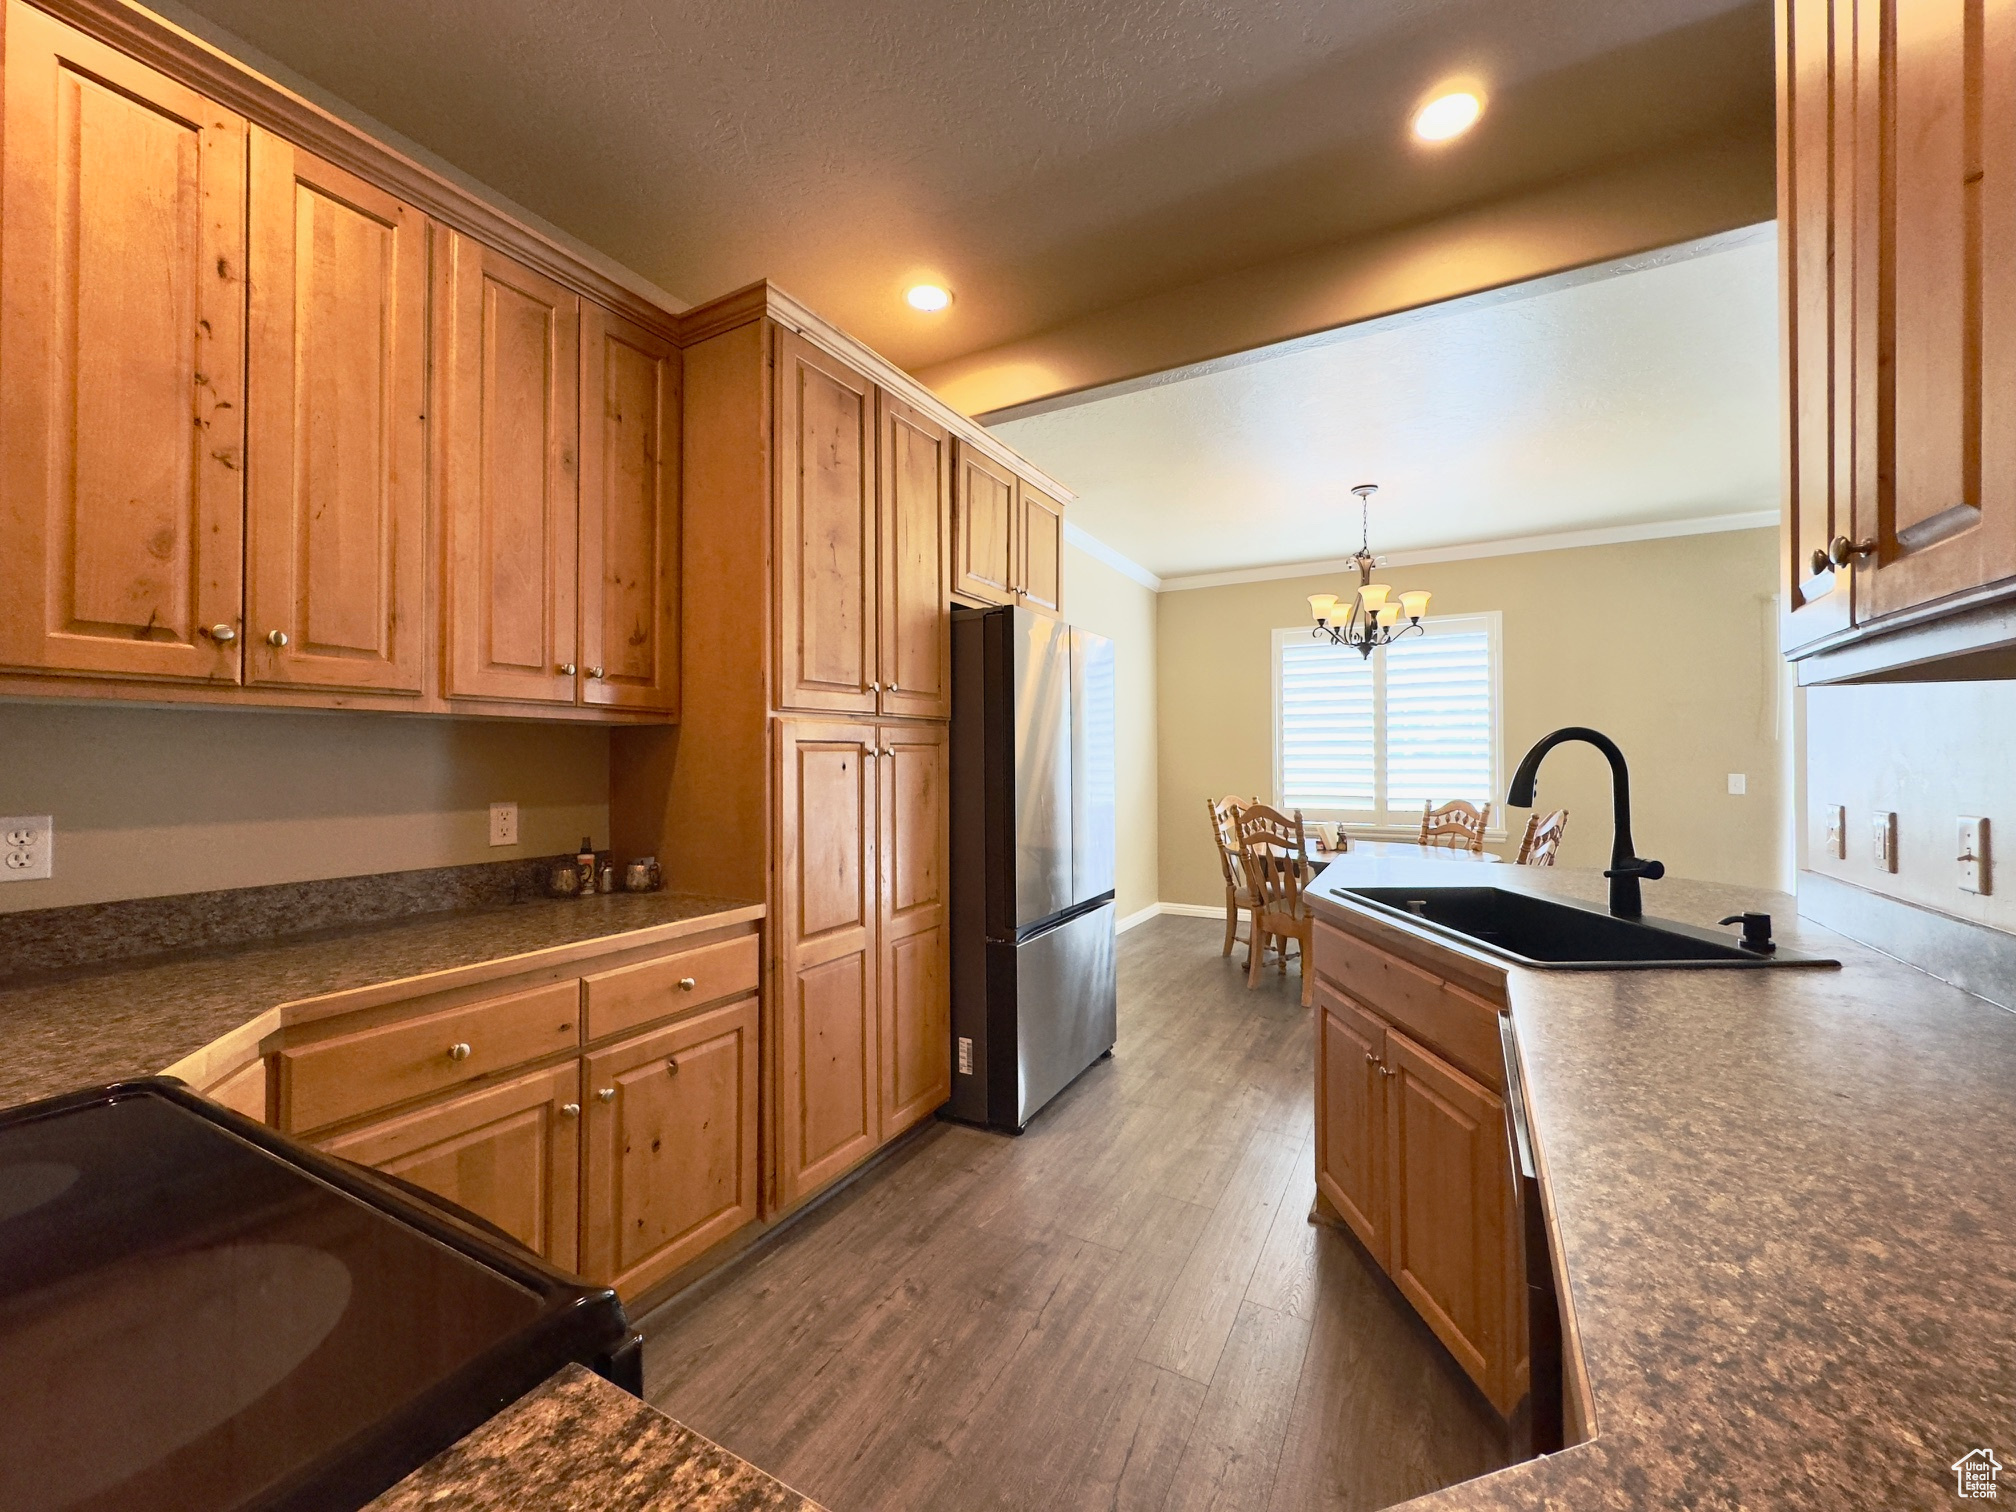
(335, 548)
(122, 368)
(916, 525)
(507, 431)
(1007, 537)
(1897, 161)
(629, 514)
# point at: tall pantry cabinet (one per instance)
(811, 764)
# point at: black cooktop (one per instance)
(197, 1313)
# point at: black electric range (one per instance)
(198, 1313)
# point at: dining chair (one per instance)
(1543, 838)
(1275, 855)
(1456, 825)
(1225, 834)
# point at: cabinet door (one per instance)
(1351, 1115)
(122, 327)
(336, 495)
(1817, 186)
(1935, 254)
(825, 429)
(507, 367)
(629, 515)
(827, 1059)
(915, 958)
(1039, 575)
(671, 1167)
(1452, 1244)
(983, 529)
(916, 482)
(509, 1153)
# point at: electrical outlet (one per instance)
(1883, 841)
(965, 1056)
(503, 824)
(1973, 855)
(27, 847)
(1739, 784)
(1837, 832)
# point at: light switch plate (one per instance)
(1837, 832)
(1739, 784)
(503, 824)
(1973, 855)
(27, 847)
(1883, 841)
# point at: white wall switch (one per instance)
(1837, 832)
(503, 824)
(27, 847)
(1883, 841)
(1739, 783)
(1973, 855)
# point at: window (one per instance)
(1371, 741)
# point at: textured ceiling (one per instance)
(1646, 392)
(1046, 158)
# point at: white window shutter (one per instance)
(1327, 750)
(1439, 720)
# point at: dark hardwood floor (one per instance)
(1126, 1307)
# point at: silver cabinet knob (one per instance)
(458, 1051)
(222, 634)
(894, 689)
(1371, 1057)
(687, 984)
(672, 1064)
(595, 672)
(570, 1110)
(566, 669)
(276, 638)
(607, 1094)
(1386, 1071)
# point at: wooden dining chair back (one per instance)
(1456, 825)
(1543, 838)
(1275, 854)
(1225, 835)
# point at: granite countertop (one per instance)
(83, 1027)
(1782, 1205)
(579, 1444)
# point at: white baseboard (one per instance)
(1141, 916)
(1180, 910)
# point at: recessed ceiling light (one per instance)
(928, 296)
(1447, 116)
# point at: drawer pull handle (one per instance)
(687, 984)
(607, 1094)
(672, 1064)
(458, 1051)
(570, 1110)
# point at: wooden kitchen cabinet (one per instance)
(509, 1153)
(122, 369)
(826, 531)
(507, 386)
(1039, 580)
(1350, 1110)
(916, 528)
(828, 1001)
(335, 592)
(629, 514)
(912, 917)
(986, 514)
(670, 1167)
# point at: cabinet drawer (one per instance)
(652, 990)
(1462, 1026)
(393, 1063)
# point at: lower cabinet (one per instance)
(1412, 1156)
(670, 1167)
(509, 1153)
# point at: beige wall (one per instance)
(1667, 646)
(1928, 752)
(150, 802)
(1098, 599)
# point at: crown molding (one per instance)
(1099, 551)
(1567, 540)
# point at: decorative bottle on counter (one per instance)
(586, 862)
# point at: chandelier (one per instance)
(1373, 618)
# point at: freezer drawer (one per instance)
(1066, 1009)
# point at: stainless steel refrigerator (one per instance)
(1033, 994)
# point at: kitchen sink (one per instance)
(1562, 936)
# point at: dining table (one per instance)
(1409, 850)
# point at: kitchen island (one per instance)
(1778, 1203)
